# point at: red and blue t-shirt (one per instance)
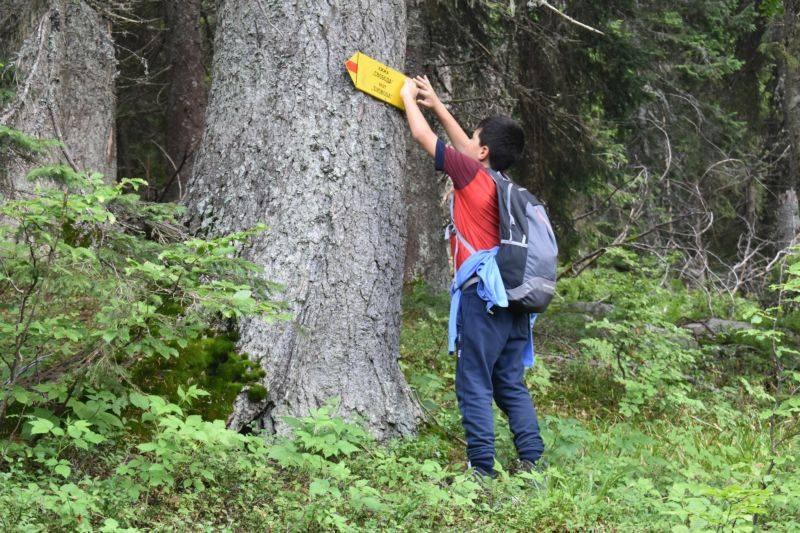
(475, 201)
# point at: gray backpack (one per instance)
(528, 250)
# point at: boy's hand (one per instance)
(426, 96)
(409, 90)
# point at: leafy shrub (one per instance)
(649, 355)
(94, 280)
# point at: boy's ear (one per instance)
(483, 152)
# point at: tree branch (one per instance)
(544, 3)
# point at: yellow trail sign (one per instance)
(376, 79)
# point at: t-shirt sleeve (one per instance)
(461, 168)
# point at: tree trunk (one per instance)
(787, 222)
(791, 84)
(186, 104)
(291, 143)
(426, 251)
(445, 42)
(782, 213)
(745, 91)
(64, 67)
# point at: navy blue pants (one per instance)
(489, 349)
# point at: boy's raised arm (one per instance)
(419, 127)
(427, 98)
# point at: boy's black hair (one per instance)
(504, 138)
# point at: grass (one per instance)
(699, 468)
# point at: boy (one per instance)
(491, 339)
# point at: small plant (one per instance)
(6, 83)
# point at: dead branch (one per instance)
(60, 137)
(587, 260)
(560, 13)
(608, 198)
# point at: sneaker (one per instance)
(529, 466)
(537, 476)
(478, 471)
(482, 477)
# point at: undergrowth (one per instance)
(699, 465)
(646, 427)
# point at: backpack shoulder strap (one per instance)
(459, 237)
(501, 177)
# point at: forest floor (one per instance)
(632, 445)
(698, 464)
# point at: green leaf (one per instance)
(110, 525)
(40, 426)
(22, 396)
(63, 470)
(147, 446)
(139, 400)
(319, 487)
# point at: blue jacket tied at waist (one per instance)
(482, 263)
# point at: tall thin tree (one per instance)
(787, 214)
(186, 103)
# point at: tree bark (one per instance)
(787, 221)
(291, 143)
(187, 99)
(64, 67)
